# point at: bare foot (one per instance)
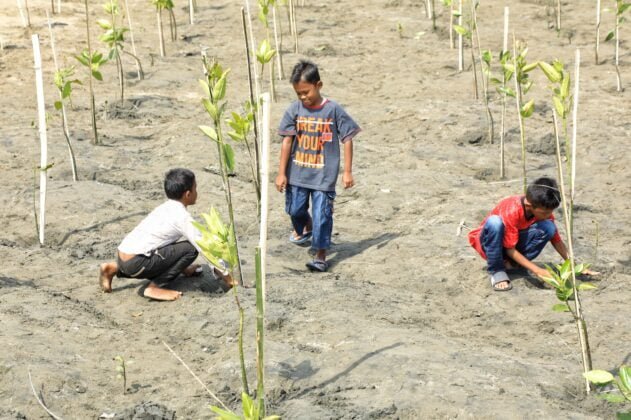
(192, 270)
(152, 291)
(107, 271)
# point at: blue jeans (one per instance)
(530, 244)
(321, 218)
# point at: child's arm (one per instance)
(285, 152)
(519, 258)
(347, 178)
(562, 250)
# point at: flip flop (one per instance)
(318, 265)
(306, 237)
(499, 277)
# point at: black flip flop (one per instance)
(318, 265)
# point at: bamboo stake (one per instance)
(451, 25)
(502, 128)
(64, 119)
(95, 135)
(580, 321)
(577, 66)
(293, 22)
(485, 80)
(160, 34)
(24, 9)
(43, 163)
(522, 133)
(25, 23)
(248, 58)
(139, 71)
(191, 12)
(460, 50)
(597, 31)
(278, 41)
(257, 90)
(261, 252)
(58, 6)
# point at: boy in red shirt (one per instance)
(517, 230)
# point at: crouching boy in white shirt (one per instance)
(152, 251)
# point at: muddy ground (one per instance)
(405, 324)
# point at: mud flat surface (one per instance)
(405, 324)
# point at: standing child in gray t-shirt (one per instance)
(312, 129)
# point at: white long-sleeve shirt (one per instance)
(165, 225)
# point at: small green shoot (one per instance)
(251, 411)
(621, 7)
(561, 280)
(602, 378)
(121, 369)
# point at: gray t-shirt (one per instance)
(315, 152)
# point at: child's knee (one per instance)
(547, 227)
(494, 223)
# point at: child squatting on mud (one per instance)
(516, 231)
(152, 251)
(312, 129)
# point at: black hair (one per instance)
(177, 181)
(544, 193)
(305, 71)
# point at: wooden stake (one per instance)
(617, 53)
(451, 25)
(191, 12)
(577, 66)
(41, 112)
(505, 38)
(265, 151)
(293, 22)
(160, 34)
(522, 133)
(139, 72)
(278, 41)
(95, 135)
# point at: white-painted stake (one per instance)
(577, 66)
(460, 48)
(265, 151)
(41, 113)
(505, 39)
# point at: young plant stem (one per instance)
(244, 375)
(95, 135)
(433, 15)
(248, 57)
(140, 74)
(172, 25)
(160, 33)
(25, 22)
(41, 113)
(451, 25)
(460, 49)
(577, 66)
(476, 93)
(257, 90)
(119, 63)
(578, 312)
(522, 132)
(485, 80)
(597, 31)
(293, 21)
(64, 120)
(558, 16)
(278, 42)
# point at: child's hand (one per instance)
(281, 183)
(589, 272)
(347, 180)
(541, 273)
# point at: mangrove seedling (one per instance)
(241, 125)
(121, 369)
(560, 278)
(622, 383)
(450, 4)
(219, 246)
(113, 38)
(265, 53)
(251, 411)
(621, 7)
(90, 61)
(166, 5)
(214, 87)
(506, 60)
(520, 68)
(63, 81)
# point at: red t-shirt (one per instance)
(513, 214)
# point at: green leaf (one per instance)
(210, 108)
(612, 398)
(623, 8)
(565, 85)
(528, 108)
(229, 157)
(223, 414)
(461, 30)
(625, 377)
(219, 90)
(586, 286)
(529, 67)
(507, 91)
(205, 88)
(103, 23)
(235, 136)
(623, 416)
(487, 57)
(560, 307)
(66, 91)
(558, 106)
(81, 59)
(551, 73)
(610, 36)
(599, 377)
(58, 105)
(97, 75)
(209, 132)
(248, 407)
